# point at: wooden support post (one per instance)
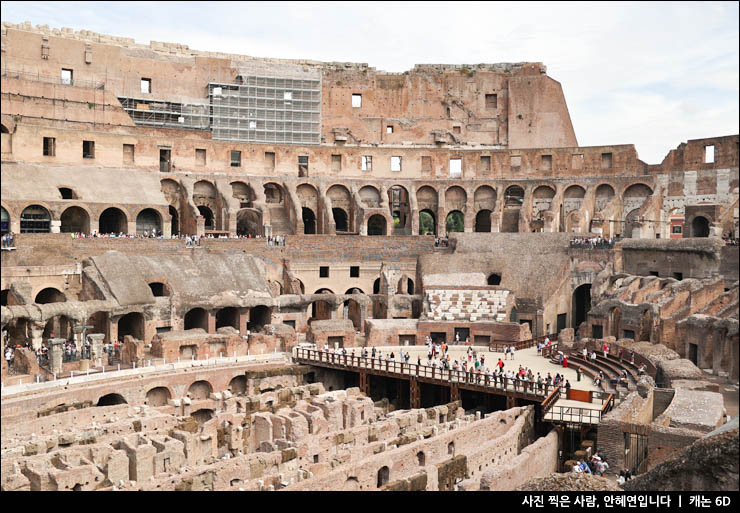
(365, 383)
(414, 394)
(454, 393)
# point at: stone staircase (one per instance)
(280, 221)
(465, 305)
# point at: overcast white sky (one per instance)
(650, 74)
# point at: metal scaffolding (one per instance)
(266, 110)
(165, 113)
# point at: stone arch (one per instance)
(244, 193)
(353, 312)
(581, 304)
(427, 222)
(249, 222)
(369, 196)
(131, 324)
(228, 316)
(309, 221)
(383, 476)
(111, 400)
(4, 297)
(148, 220)
(405, 285)
(484, 197)
(209, 222)
(112, 220)
(483, 221)
(376, 225)
(376, 286)
(59, 326)
(398, 202)
(574, 191)
(573, 222)
(35, 219)
(351, 485)
(158, 396)
(513, 200)
(630, 222)
(203, 415)
(273, 193)
(615, 319)
(4, 221)
(196, 318)
(635, 196)
(341, 219)
(455, 222)
(514, 196)
(99, 323)
(494, 279)
(700, 227)
(426, 198)
(421, 458)
(259, 316)
(322, 310)
(50, 295)
(238, 385)
(201, 389)
(604, 194)
(456, 198)
(308, 196)
(174, 220)
(75, 219)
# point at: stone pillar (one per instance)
(37, 334)
(56, 226)
(56, 350)
(96, 348)
(211, 322)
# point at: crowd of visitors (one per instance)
(595, 464)
(440, 242)
(8, 240)
(729, 241)
(592, 242)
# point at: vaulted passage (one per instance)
(112, 220)
(455, 222)
(131, 324)
(581, 304)
(196, 318)
(148, 221)
(309, 221)
(376, 225)
(427, 223)
(340, 219)
(35, 219)
(483, 221)
(228, 316)
(700, 227)
(75, 220)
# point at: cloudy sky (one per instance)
(653, 75)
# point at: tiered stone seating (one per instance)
(465, 305)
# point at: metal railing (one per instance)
(500, 384)
(571, 415)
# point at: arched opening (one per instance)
(159, 289)
(248, 223)
(228, 316)
(700, 227)
(207, 214)
(581, 304)
(99, 323)
(50, 295)
(196, 318)
(494, 279)
(483, 221)
(309, 221)
(148, 221)
(322, 310)
(353, 312)
(455, 222)
(369, 197)
(158, 396)
(340, 219)
(35, 219)
(615, 319)
(203, 415)
(243, 193)
(111, 400)
(451, 449)
(4, 221)
(4, 297)
(376, 225)
(67, 193)
(410, 286)
(398, 201)
(383, 476)
(112, 220)
(376, 286)
(427, 223)
(131, 324)
(238, 385)
(604, 194)
(513, 199)
(421, 458)
(273, 193)
(259, 316)
(200, 390)
(59, 326)
(351, 485)
(630, 223)
(174, 221)
(75, 220)
(645, 326)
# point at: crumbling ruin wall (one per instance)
(536, 460)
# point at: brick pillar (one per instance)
(211, 322)
(56, 350)
(414, 394)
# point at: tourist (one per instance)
(512, 352)
(606, 349)
(578, 374)
(567, 385)
(621, 479)
(374, 352)
(632, 357)
(506, 353)
(565, 362)
(585, 353)
(619, 354)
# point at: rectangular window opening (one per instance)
(146, 85)
(367, 163)
(389, 129)
(516, 162)
(287, 95)
(200, 157)
(354, 271)
(236, 158)
(491, 101)
(50, 146)
(485, 163)
(303, 165)
(88, 149)
(426, 164)
(323, 271)
(128, 153)
(395, 163)
(654, 273)
(165, 163)
(456, 130)
(606, 161)
(356, 101)
(455, 168)
(546, 164)
(577, 161)
(67, 76)
(678, 276)
(709, 154)
(336, 163)
(677, 228)
(270, 159)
